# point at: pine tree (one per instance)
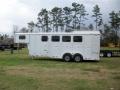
(115, 24)
(75, 11)
(43, 19)
(97, 16)
(56, 14)
(67, 17)
(91, 27)
(82, 15)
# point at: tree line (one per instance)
(67, 19)
(111, 33)
(5, 39)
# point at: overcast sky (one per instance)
(20, 12)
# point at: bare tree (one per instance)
(31, 26)
(23, 30)
(15, 29)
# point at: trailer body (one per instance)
(85, 44)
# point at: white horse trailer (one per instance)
(76, 45)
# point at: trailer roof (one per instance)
(74, 32)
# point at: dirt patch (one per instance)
(53, 73)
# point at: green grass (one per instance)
(19, 72)
(110, 48)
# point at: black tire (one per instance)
(3, 49)
(67, 57)
(78, 58)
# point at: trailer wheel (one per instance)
(78, 58)
(101, 54)
(109, 54)
(67, 57)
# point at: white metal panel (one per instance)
(66, 47)
(95, 45)
(78, 47)
(54, 48)
(43, 47)
(63, 33)
(87, 47)
(33, 47)
(37, 47)
(18, 40)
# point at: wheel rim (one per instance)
(67, 58)
(101, 54)
(109, 55)
(77, 58)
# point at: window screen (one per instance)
(66, 38)
(55, 38)
(77, 38)
(22, 37)
(44, 38)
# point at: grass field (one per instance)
(19, 72)
(108, 48)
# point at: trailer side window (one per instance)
(55, 38)
(44, 38)
(77, 38)
(22, 37)
(66, 38)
